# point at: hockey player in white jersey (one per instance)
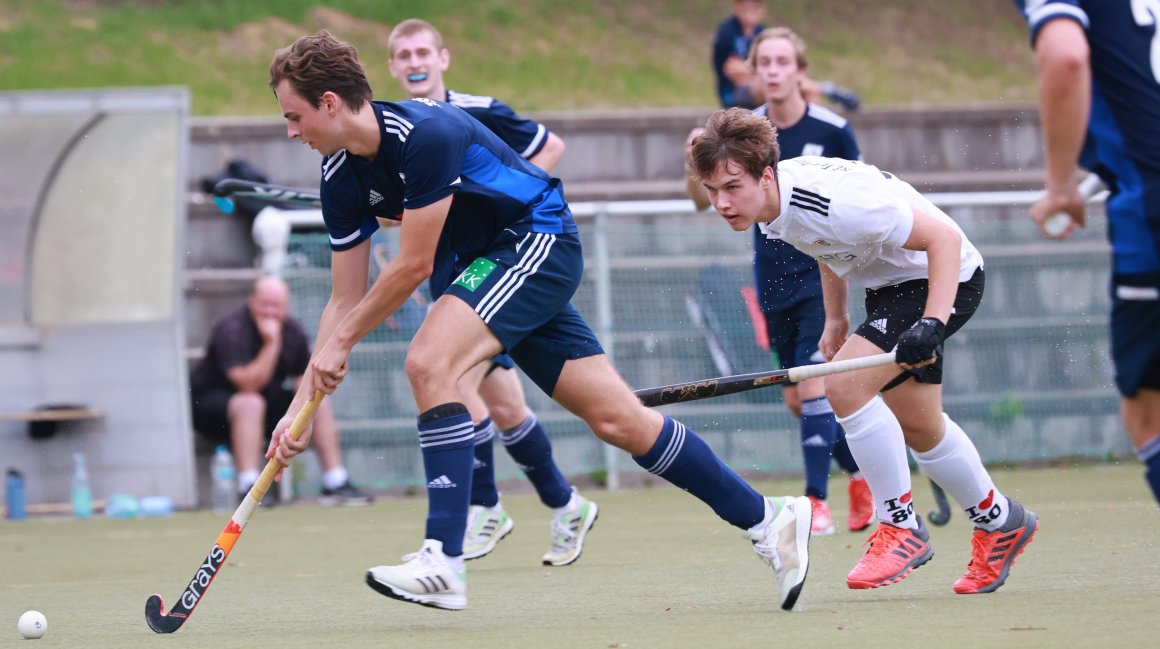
(923, 280)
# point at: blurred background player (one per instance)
(1099, 78)
(241, 388)
(737, 84)
(492, 391)
(788, 284)
(924, 280)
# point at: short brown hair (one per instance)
(735, 135)
(412, 26)
(318, 64)
(799, 46)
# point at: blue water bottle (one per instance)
(14, 495)
(82, 494)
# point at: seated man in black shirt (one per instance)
(243, 386)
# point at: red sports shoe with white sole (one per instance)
(993, 553)
(894, 553)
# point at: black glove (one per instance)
(921, 342)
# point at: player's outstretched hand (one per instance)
(920, 344)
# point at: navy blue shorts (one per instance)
(891, 310)
(1136, 333)
(794, 332)
(522, 288)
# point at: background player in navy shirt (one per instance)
(492, 391)
(788, 283)
(1099, 78)
(453, 183)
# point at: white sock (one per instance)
(247, 478)
(955, 465)
(335, 478)
(875, 439)
(572, 504)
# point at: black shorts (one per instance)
(892, 310)
(210, 408)
(1136, 333)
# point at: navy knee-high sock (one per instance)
(684, 459)
(446, 438)
(1150, 456)
(818, 428)
(842, 454)
(483, 491)
(529, 446)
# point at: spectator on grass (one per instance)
(1099, 101)
(241, 388)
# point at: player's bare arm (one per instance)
(1062, 54)
(835, 291)
(402, 275)
(549, 156)
(349, 272)
(943, 247)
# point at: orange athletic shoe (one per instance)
(823, 524)
(993, 553)
(861, 505)
(894, 553)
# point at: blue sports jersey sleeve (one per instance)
(347, 223)
(848, 145)
(432, 157)
(525, 136)
(1039, 12)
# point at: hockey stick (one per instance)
(942, 515)
(226, 190)
(694, 390)
(155, 614)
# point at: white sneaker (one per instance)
(568, 531)
(784, 545)
(486, 526)
(425, 577)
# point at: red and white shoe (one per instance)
(993, 553)
(861, 505)
(894, 553)
(823, 524)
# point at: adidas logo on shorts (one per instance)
(442, 482)
(880, 325)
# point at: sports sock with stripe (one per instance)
(1150, 456)
(818, 428)
(483, 491)
(447, 439)
(875, 439)
(528, 445)
(684, 459)
(955, 465)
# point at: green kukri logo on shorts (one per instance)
(478, 271)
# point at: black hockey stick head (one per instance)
(158, 620)
(942, 515)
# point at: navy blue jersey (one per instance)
(783, 276)
(1123, 144)
(524, 135)
(430, 150)
(730, 41)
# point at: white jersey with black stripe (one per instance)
(855, 218)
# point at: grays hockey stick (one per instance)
(694, 390)
(228, 189)
(155, 614)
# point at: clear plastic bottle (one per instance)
(224, 485)
(81, 492)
